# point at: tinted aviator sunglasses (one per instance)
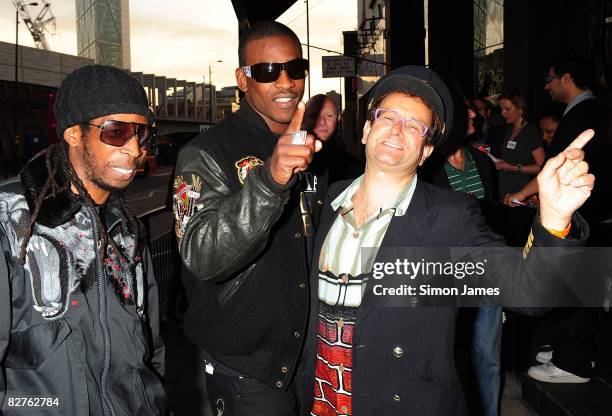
(269, 72)
(118, 133)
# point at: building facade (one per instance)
(27, 124)
(103, 31)
(481, 47)
(228, 101)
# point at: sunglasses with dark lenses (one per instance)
(118, 133)
(269, 72)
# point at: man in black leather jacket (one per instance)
(243, 232)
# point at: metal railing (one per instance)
(166, 261)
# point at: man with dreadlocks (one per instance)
(79, 327)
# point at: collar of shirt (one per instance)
(468, 161)
(587, 95)
(345, 199)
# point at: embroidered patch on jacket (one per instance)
(184, 201)
(58, 260)
(245, 165)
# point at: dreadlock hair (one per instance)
(50, 188)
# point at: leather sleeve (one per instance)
(227, 228)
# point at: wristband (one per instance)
(519, 167)
(561, 234)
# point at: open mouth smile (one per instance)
(393, 145)
(123, 171)
(285, 101)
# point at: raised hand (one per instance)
(565, 184)
(288, 159)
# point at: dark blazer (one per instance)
(421, 380)
(589, 114)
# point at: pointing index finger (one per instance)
(582, 139)
(296, 121)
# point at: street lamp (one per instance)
(16, 99)
(210, 89)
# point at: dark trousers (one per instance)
(578, 340)
(232, 394)
(603, 343)
(572, 343)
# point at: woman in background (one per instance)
(522, 156)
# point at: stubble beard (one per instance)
(90, 171)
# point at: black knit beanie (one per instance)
(97, 90)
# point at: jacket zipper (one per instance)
(102, 316)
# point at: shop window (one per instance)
(488, 47)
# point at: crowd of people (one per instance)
(570, 342)
(273, 218)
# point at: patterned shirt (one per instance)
(341, 288)
(466, 180)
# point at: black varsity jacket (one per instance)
(244, 250)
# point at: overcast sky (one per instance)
(180, 38)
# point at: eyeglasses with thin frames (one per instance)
(550, 78)
(410, 126)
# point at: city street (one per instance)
(184, 378)
(149, 194)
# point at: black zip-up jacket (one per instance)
(79, 335)
(242, 238)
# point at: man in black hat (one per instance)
(79, 320)
(363, 357)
